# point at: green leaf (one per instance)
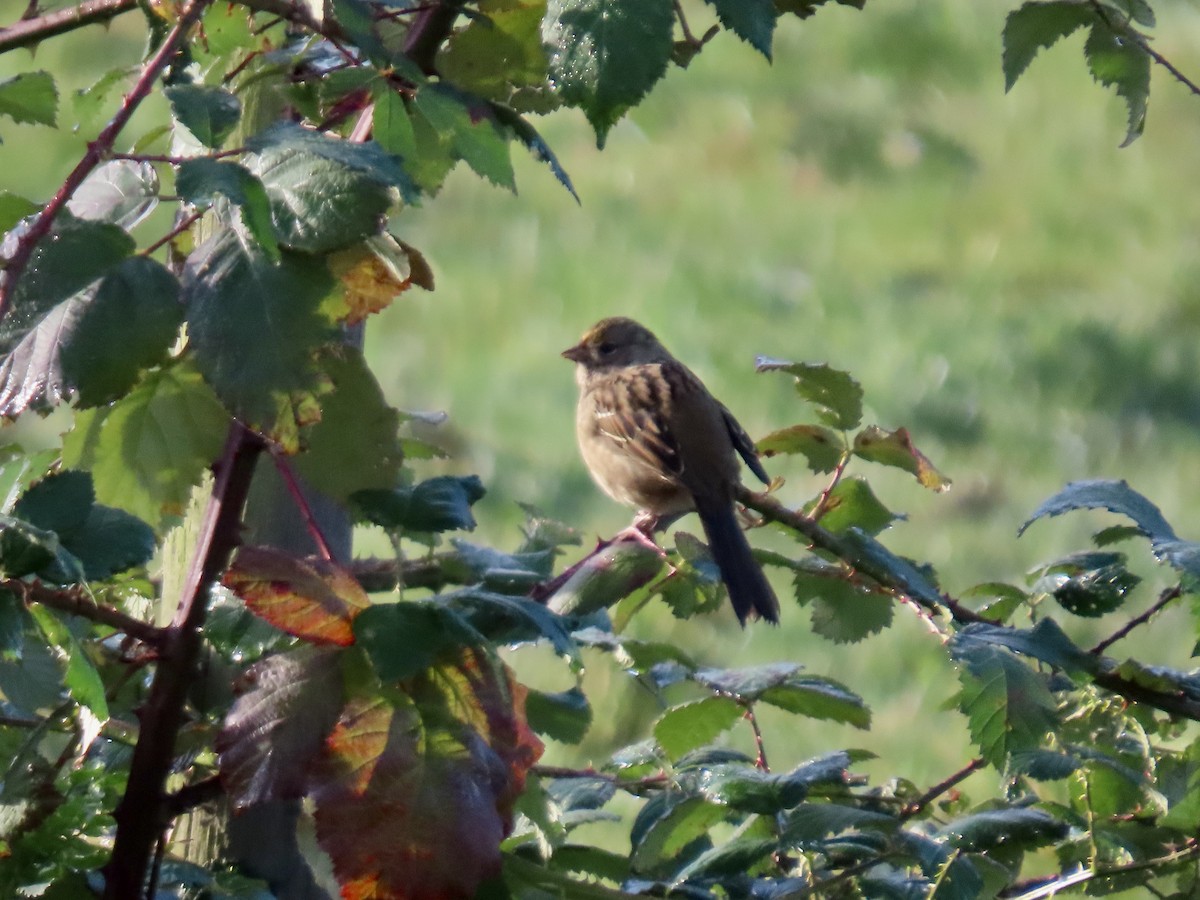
(499, 55)
(1115, 496)
(535, 144)
(1008, 706)
(1119, 61)
(565, 716)
(743, 787)
(688, 726)
(13, 208)
(12, 626)
(120, 191)
(842, 611)
(666, 825)
(1021, 827)
(822, 447)
(916, 582)
(100, 539)
(1046, 641)
(470, 131)
(254, 328)
(404, 639)
(81, 678)
(442, 503)
(837, 396)
(1089, 584)
(751, 20)
(128, 326)
(30, 97)
(391, 126)
(504, 619)
(148, 450)
(1036, 26)
(323, 198)
(606, 54)
(201, 181)
(355, 446)
(25, 549)
(75, 254)
(820, 698)
(19, 469)
(895, 448)
(852, 504)
(812, 821)
(209, 113)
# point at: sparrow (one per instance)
(654, 438)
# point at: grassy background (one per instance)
(1005, 282)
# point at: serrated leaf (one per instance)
(120, 191)
(355, 446)
(437, 504)
(744, 787)
(535, 144)
(604, 55)
(1089, 589)
(895, 448)
(499, 55)
(1045, 765)
(1036, 26)
(564, 716)
(98, 541)
(286, 706)
(1022, 827)
(842, 611)
(403, 778)
(852, 504)
(315, 600)
(405, 639)
(254, 327)
(80, 676)
(506, 619)
(916, 582)
(469, 130)
(813, 821)
(836, 395)
(201, 181)
(391, 126)
(127, 326)
(751, 20)
(322, 198)
(819, 698)
(666, 825)
(209, 113)
(30, 97)
(1046, 641)
(822, 447)
(687, 726)
(1119, 61)
(1008, 706)
(1115, 496)
(14, 208)
(150, 448)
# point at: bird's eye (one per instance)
(606, 348)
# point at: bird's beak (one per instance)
(576, 354)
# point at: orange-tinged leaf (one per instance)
(373, 273)
(313, 599)
(415, 786)
(895, 448)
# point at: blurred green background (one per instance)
(1002, 279)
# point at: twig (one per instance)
(1050, 887)
(97, 150)
(1132, 34)
(760, 759)
(78, 602)
(141, 815)
(31, 30)
(1164, 598)
(180, 227)
(822, 505)
(914, 808)
(297, 494)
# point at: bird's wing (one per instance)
(638, 420)
(744, 445)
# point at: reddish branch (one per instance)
(1164, 598)
(941, 787)
(97, 151)
(144, 810)
(77, 602)
(29, 31)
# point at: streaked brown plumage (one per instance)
(654, 438)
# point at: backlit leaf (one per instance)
(1008, 706)
(209, 113)
(895, 448)
(751, 20)
(837, 396)
(201, 181)
(120, 191)
(1034, 27)
(442, 503)
(821, 446)
(30, 97)
(1118, 61)
(604, 55)
(843, 611)
(687, 726)
(314, 599)
(852, 504)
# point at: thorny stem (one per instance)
(914, 808)
(1164, 598)
(143, 811)
(78, 602)
(29, 30)
(97, 151)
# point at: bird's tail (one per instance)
(749, 590)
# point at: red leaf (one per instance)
(313, 599)
(414, 790)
